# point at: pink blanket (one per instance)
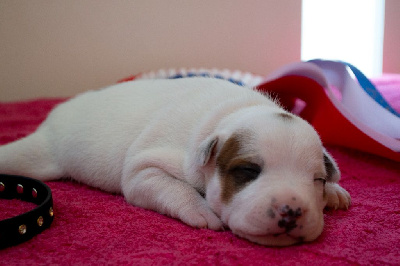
(92, 226)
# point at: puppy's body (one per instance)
(165, 143)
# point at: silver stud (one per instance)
(22, 229)
(34, 193)
(2, 187)
(51, 213)
(40, 221)
(20, 189)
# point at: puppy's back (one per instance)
(87, 137)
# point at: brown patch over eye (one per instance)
(235, 172)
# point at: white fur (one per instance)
(153, 141)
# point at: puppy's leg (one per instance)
(337, 197)
(152, 188)
(30, 156)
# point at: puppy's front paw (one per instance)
(337, 197)
(200, 216)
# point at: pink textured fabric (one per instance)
(92, 226)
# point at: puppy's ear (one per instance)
(206, 150)
(332, 170)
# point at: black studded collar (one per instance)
(23, 227)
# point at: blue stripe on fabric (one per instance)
(370, 89)
(205, 74)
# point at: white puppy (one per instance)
(202, 150)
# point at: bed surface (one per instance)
(94, 226)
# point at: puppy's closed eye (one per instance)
(322, 180)
(244, 173)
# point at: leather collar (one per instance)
(23, 227)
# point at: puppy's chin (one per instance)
(278, 236)
(278, 240)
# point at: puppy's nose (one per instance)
(289, 217)
(287, 211)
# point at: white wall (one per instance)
(59, 48)
(391, 40)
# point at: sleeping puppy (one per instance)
(201, 150)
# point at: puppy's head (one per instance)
(265, 176)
